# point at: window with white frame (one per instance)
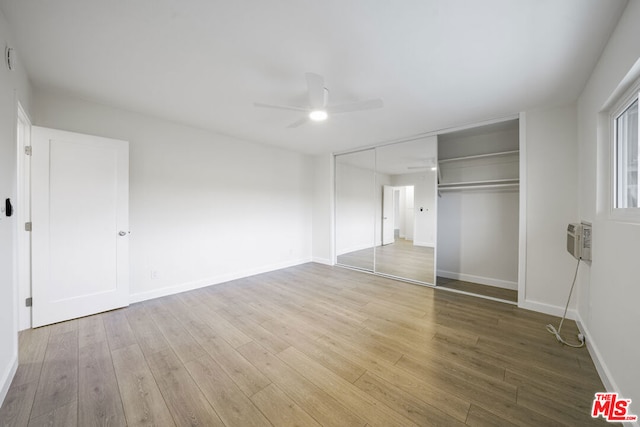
(626, 150)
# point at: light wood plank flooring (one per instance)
(309, 345)
(478, 289)
(400, 259)
(403, 259)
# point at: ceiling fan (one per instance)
(318, 108)
(427, 163)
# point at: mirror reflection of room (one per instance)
(407, 179)
(386, 210)
(355, 209)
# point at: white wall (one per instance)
(323, 205)
(14, 87)
(358, 203)
(609, 289)
(204, 208)
(478, 236)
(355, 208)
(551, 203)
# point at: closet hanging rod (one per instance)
(474, 187)
(483, 182)
(479, 156)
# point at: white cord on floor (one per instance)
(553, 330)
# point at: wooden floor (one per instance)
(478, 289)
(401, 259)
(307, 346)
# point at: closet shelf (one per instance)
(479, 156)
(470, 185)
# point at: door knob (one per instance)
(122, 233)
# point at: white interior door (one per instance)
(387, 215)
(80, 216)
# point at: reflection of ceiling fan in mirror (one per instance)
(427, 164)
(318, 108)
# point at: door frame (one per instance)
(23, 215)
(389, 216)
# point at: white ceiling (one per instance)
(436, 63)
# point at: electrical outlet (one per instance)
(580, 337)
(154, 274)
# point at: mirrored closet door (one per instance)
(386, 204)
(355, 209)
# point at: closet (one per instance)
(438, 210)
(478, 210)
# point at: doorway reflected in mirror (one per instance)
(386, 210)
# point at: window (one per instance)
(626, 154)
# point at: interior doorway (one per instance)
(398, 216)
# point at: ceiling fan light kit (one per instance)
(318, 115)
(318, 108)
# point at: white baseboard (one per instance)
(7, 378)
(498, 283)
(324, 261)
(552, 310)
(603, 371)
(601, 367)
(189, 286)
(427, 244)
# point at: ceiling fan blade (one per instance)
(370, 104)
(299, 122)
(315, 87)
(280, 107)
